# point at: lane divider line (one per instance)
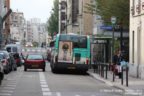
(44, 86)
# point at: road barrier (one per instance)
(103, 68)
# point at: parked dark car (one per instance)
(34, 61)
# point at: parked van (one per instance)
(13, 48)
(16, 50)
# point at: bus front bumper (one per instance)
(70, 66)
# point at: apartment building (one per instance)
(18, 27)
(136, 38)
(73, 19)
(36, 31)
(4, 21)
(29, 34)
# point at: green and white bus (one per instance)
(71, 52)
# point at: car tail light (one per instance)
(87, 60)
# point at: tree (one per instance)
(35, 44)
(108, 8)
(52, 23)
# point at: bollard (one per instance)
(99, 68)
(103, 70)
(113, 73)
(122, 76)
(106, 71)
(127, 76)
(94, 67)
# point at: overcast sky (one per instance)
(33, 8)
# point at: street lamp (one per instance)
(113, 21)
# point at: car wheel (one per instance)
(43, 69)
(15, 69)
(53, 70)
(1, 76)
(6, 71)
(25, 69)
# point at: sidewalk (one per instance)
(135, 85)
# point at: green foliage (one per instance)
(116, 46)
(35, 44)
(52, 24)
(108, 8)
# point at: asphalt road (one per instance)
(39, 83)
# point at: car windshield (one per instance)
(34, 57)
(8, 49)
(28, 43)
(14, 49)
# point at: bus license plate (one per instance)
(71, 68)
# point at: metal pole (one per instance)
(122, 76)
(127, 76)
(113, 44)
(113, 53)
(121, 38)
(113, 73)
(106, 71)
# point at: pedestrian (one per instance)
(117, 59)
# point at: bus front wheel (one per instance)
(53, 70)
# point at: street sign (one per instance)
(105, 27)
(113, 19)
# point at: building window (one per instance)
(75, 10)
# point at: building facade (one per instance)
(73, 19)
(18, 27)
(4, 22)
(136, 38)
(36, 31)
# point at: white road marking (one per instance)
(9, 88)
(58, 94)
(45, 89)
(5, 94)
(10, 85)
(43, 83)
(44, 86)
(7, 91)
(77, 95)
(42, 80)
(47, 93)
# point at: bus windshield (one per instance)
(78, 41)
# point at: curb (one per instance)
(107, 82)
